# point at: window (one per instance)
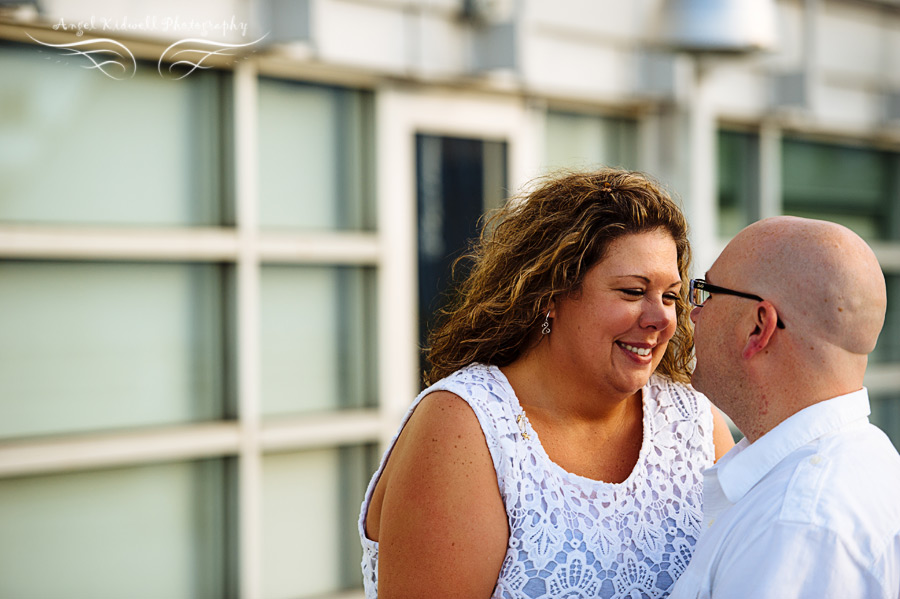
(91, 346)
(584, 141)
(315, 157)
(886, 413)
(849, 183)
(147, 531)
(845, 184)
(161, 364)
(888, 348)
(313, 495)
(83, 149)
(458, 180)
(738, 179)
(318, 339)
(858, 187)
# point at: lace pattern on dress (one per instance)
(572, 536)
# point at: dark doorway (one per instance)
(457, 181)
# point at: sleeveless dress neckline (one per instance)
(539, 447)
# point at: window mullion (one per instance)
(248, 331)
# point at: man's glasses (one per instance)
(701, 290)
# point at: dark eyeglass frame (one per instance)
(702, 285)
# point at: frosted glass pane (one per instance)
(738, 178)
(581, 141)
(81, 148)
(886, 414)
(317, 338)
(867, 227)
(89, 346)
(831, 175)
(853, 186)
(315, 157)
(888, 348)
(311, 502)
(144, 532)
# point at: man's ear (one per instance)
(765, 321)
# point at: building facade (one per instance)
(224, 226)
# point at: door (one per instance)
(443, 157)
(457, 181)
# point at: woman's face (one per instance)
(617, 327)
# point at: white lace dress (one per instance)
(571, 536)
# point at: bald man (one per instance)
(807, 505)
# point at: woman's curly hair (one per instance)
(539, 246)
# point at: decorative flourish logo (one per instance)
(186, 56)
(106, 55)
(179, 60)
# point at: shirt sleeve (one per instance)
(797, 561)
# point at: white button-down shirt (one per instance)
(810, 510)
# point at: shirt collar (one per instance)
(747, 463)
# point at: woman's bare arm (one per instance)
(443, 528)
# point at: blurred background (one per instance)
(220, 249)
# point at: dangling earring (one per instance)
(545, 328)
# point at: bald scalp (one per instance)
(823, 279)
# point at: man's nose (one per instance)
(695, 312)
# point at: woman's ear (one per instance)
(765, 321)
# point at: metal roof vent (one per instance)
(726, 26)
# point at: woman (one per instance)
(560, 452)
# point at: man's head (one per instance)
(823, 284)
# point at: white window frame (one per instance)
(401, 113)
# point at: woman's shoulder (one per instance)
(687, 401)
(488, 394)
(687, 416)
(473, 372)
(442, 415)
(477, 383)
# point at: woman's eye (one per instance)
(671, 297)
(633, 292)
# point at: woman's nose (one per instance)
(657, 315)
